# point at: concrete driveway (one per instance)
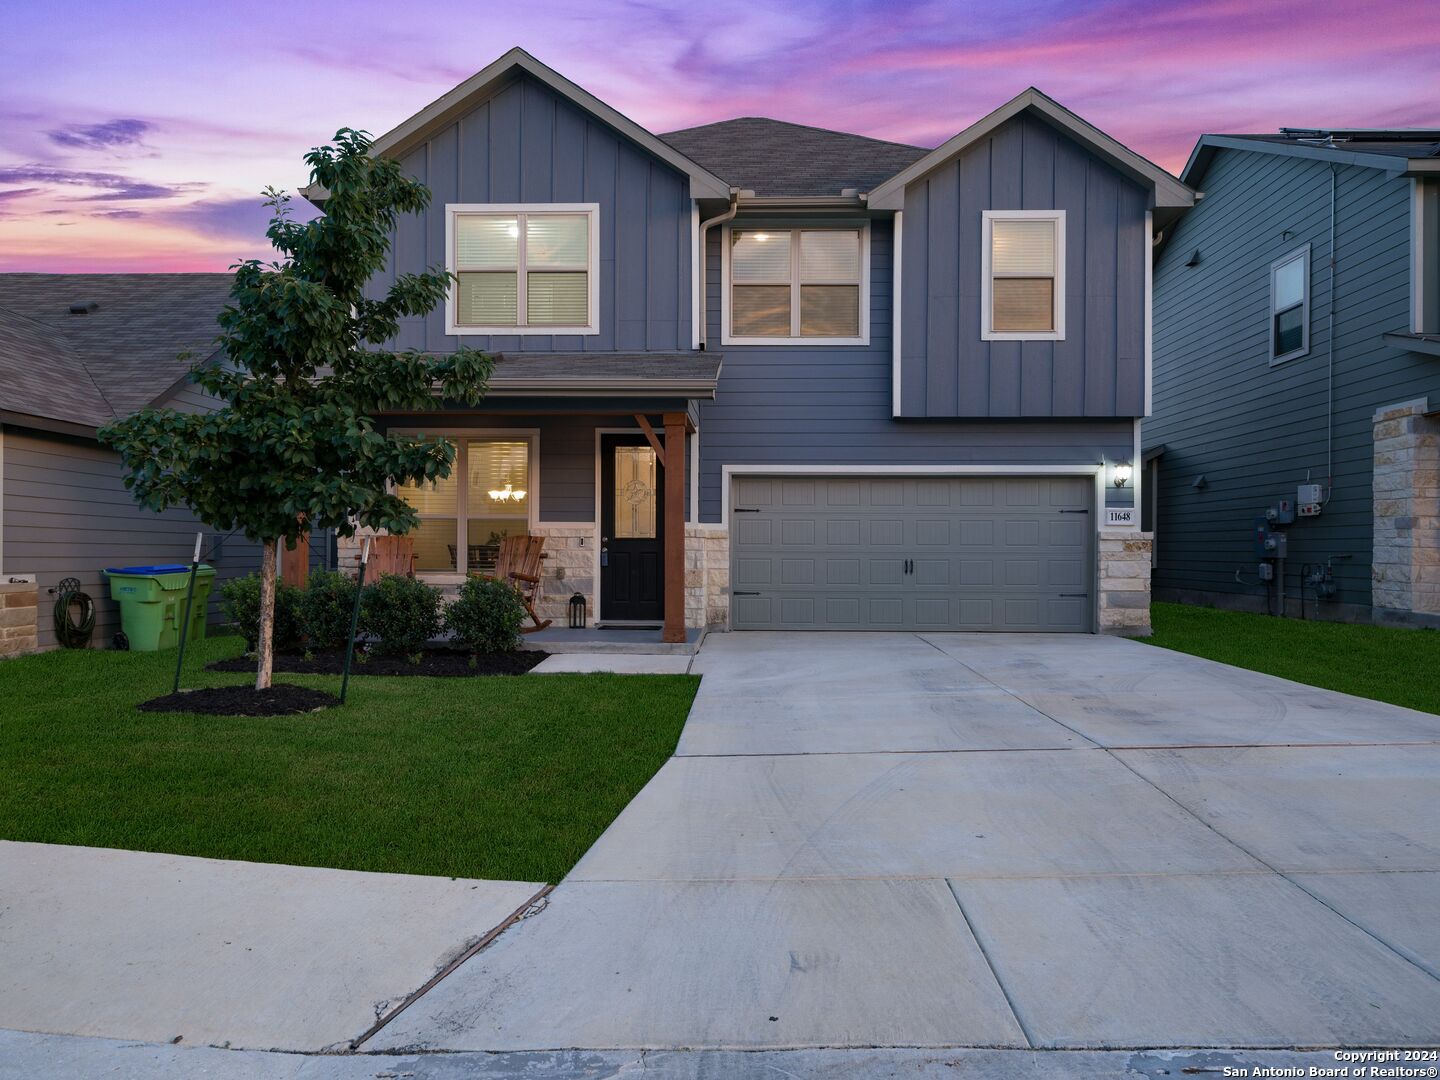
(1006, 841)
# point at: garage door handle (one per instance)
(738, 593)
(1074, 594)
(744, 510)
(1074, 511)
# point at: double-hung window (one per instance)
(1022, 275)
(523, 269)
(794, 286)
(487, 497)
(1290, 306)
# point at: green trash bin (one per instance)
(152, 603)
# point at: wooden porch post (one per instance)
(675, 424)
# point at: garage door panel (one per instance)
(934, 553)
(797, 532)
(885, 533)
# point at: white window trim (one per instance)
(591, 210)
(727, 338)
(1424, 255)
(457, 436)
(1304, 350)
(987, 287)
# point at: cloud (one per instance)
(113, 186)
(110, 134)
(124, 214)
(17, 193)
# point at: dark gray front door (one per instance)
(632, 538)
(911, 553)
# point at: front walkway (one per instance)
(1005, 841)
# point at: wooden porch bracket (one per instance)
(674, 465)
(644, 422)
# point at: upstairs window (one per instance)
(1290, 306)
(523, 269)
(1023, 275)
(797, 286)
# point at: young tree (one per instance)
(303, 370)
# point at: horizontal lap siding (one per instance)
(526, 144)
(67, 514)
(947, 370)
(830, 405)
(1256, 432)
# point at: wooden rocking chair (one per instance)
(519, 564)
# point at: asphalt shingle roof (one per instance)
(88, 369)
(772, 157)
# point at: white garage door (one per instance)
(911, 553)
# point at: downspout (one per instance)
(718, 219)
(1330, 360)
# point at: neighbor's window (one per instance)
(797, 285)
(1023, 275)
(1290, 306)
(524, 270)
(463, 518)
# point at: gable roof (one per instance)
(445, 109)
(1409, 151)
(1168, 191)
(86, 370)
(773, 157)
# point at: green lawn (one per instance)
(487, 777)
(1381, 662)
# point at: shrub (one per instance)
(402, 614)
(242, 606)
(487, 615)
(325, 609)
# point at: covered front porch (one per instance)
(596, 455)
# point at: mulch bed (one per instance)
(434, 662)
(280, 699)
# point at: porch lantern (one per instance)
(577, 612)
(1122, 474)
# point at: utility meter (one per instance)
(1307, 498)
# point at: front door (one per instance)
(632, 539)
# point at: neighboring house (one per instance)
(1297, 341)
(77, 351)
(935, 362)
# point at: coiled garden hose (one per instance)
(73, 627)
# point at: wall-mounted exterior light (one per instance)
(1122, 474)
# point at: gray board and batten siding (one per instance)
(1254, 430)
(527, 144)
(1098, 369)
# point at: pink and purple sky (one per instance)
(136, 134)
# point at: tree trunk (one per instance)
(266, 646)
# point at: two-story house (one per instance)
(1297, 377)
(763, 376)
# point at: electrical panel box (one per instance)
(1266, 571)
(1307, 497)
(1270, 543)
(1284, 512)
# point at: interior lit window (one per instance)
(463, 518)
(1024, 266)
(523, 270)
(796, 283)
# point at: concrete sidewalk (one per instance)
(50, 1057)
(1007, 841)
(156, 948)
